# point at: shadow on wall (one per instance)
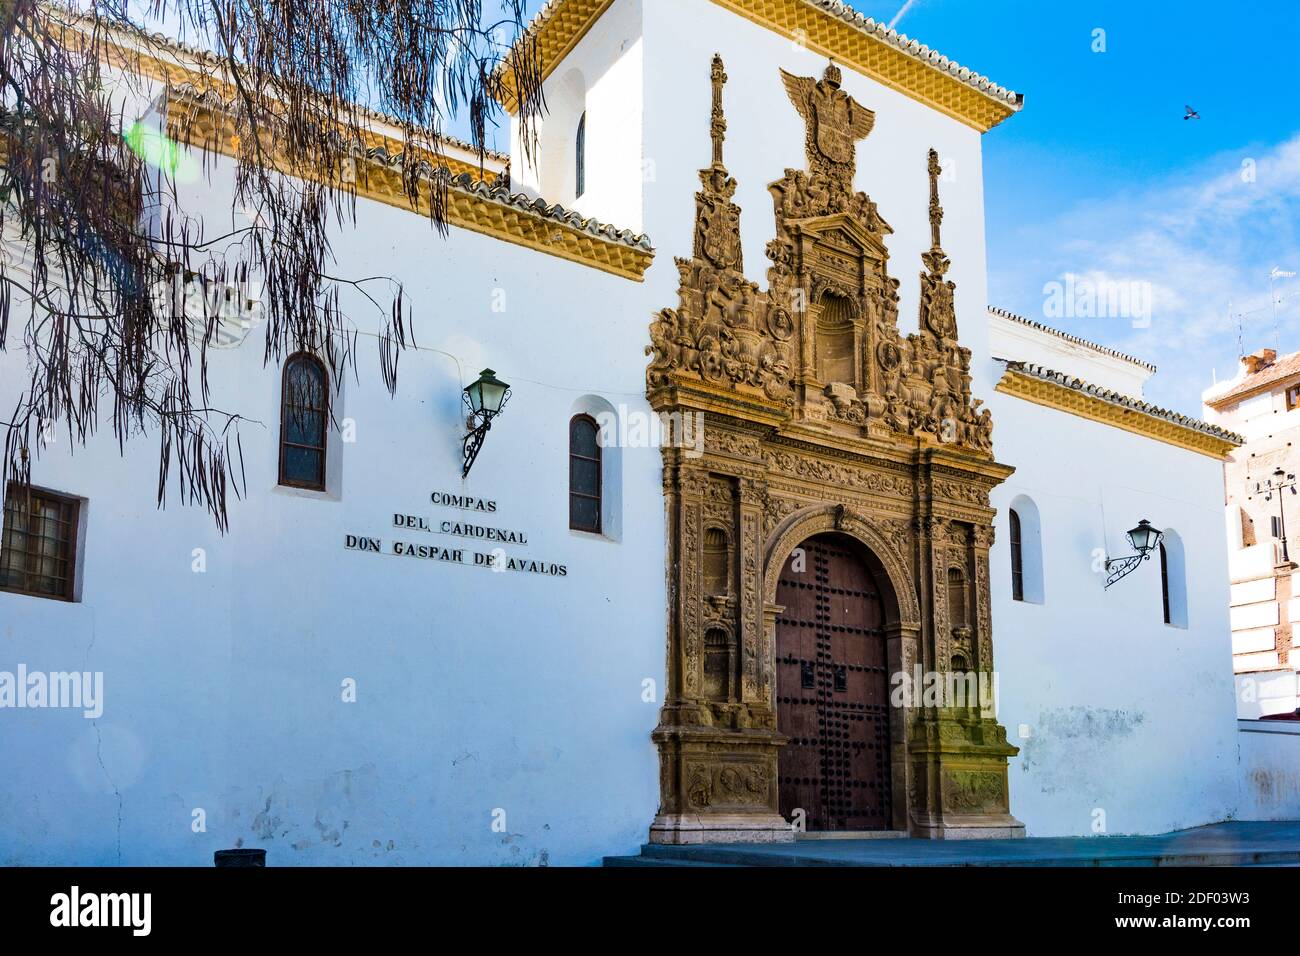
(566, 108)
(1173, 578)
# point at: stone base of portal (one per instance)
(959, 779)
(718, 785)
(689, 829)
(992, 827)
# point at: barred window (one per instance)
(38, 553)
(304, 408)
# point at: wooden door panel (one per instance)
(832, 689)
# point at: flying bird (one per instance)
(1191, 113)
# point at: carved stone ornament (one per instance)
(822, 343)
(820, 418)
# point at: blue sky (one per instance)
(1100, 177)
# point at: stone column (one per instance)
(960, 752)
(717, 766)
(756, 678)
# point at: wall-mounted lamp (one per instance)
(485, 398)
(1279, 483)
(1143, 539)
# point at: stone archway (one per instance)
(807, 522)
(900, 619)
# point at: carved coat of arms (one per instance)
(835, 120)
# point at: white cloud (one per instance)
(901, 13)
(1200, 243)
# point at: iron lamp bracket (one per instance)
(479, 424)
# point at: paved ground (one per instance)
(1221, 844)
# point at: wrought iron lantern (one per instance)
(485, 398)
(1143, 539)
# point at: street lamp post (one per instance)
(1278, 483)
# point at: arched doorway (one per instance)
(832, 687)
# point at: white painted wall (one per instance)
(476, 690)
(1113, 709)
(1256, 417)
(1265, 692)
(1251, 592)
(1270, 770)
(1021, 343)
(1254, 562)
(603, 76)
(480, 691)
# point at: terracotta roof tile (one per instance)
(1288, 366)
(1125, 401)
(928, 57)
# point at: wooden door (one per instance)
(832, 689)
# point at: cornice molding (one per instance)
(556, 29)
(828, 27)
(205, 121)
(1073, 396)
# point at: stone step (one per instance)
(853, 835)
(1225, 844)
(639, 861)
(718, 856)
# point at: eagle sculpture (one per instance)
(834, 119)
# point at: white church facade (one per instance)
(769, 464)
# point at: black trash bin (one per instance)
(246, 856)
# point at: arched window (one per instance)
(1164, 579)
(580, 159)
(1017, 558)
(584, 474)
(1173, 579)
(304, 408)
(1026, 546)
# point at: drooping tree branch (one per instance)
(96, 213)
